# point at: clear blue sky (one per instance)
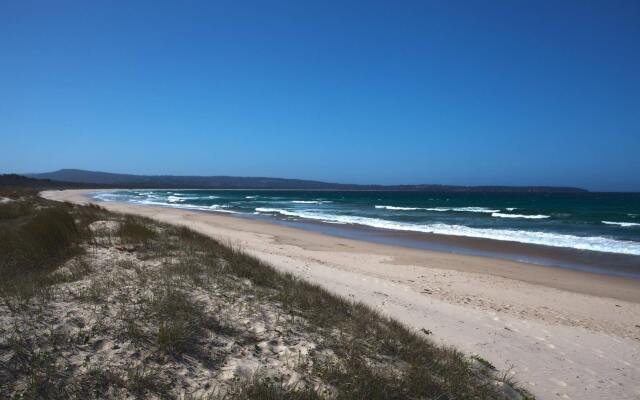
(478, 92)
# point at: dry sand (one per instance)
(562, 334)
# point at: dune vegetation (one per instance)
(95, 304)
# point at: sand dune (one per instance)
(562, 334)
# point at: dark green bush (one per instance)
(14, 209)
(132, 231)
(37, 244)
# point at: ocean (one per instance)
(589, 223)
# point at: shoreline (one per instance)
(614, 263)
(582, 282)
(546, 322)
(617, 265)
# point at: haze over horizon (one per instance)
(533, 93)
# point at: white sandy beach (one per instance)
(561, 333)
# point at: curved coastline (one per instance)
(613, 256)
(533, 320)
(485, 256)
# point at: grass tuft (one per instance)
(265, 390)
(15, 209)
(30, 251)
(132, 231)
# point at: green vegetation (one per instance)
(32, 247)
(14, 209)
(135, 232)
(101, 305)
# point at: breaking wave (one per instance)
(502, 215)
(592, 243)
(463, 209)
(400, 208)
(623, 224)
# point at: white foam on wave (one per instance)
(174, 197)
(221, 207)
(250, 197)
(400, 208)
(502, 215)
(623, 224)
(440, 209)
(180, 199)
(279, 211)
(311, 201)
(511, 208)
(214, 207)
(183, 197)
(592, 243)
(463, 209)
(107, 196)
(153, 199)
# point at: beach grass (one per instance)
(101, 305)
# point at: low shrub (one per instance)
(132, 231)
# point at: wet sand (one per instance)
(562, 333)
(609, 264)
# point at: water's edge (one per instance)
(611, 264)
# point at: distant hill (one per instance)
(106, 179)
(19, 181)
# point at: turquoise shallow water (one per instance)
(602, 222)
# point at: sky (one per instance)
(390, 92)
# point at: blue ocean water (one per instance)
(602, 222)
